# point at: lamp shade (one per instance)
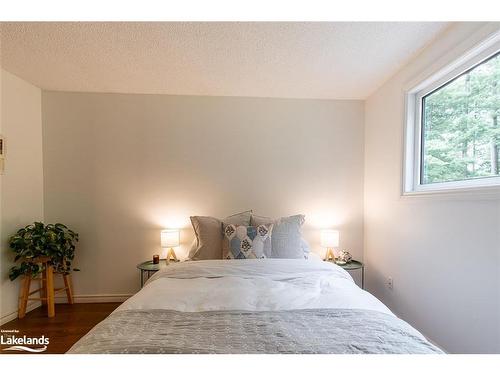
(170, 238)
(330, 238)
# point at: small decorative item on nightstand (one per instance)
(344, 257)
(330, 240)
(156, 259)
(170, 239)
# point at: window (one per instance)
(453, 125)
(461, 126)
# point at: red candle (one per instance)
(156, 259)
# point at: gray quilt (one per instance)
(240, 332)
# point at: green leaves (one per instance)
(23, 269)
(55, 241)
(462, 126)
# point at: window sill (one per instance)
(461, 193)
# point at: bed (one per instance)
(253, 306)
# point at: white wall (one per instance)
(443, 252)
(22, 181)
(118, 168)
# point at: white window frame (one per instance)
(413, 130)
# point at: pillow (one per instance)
(246, 242)
(208, 234)
(305, 247)
(193, 247)
(286, 241)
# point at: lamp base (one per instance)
(171, 257)
(330, 255)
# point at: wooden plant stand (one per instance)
(46, 289)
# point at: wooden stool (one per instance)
(46, 289)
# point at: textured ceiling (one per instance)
(297, 60)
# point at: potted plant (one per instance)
(53, 241)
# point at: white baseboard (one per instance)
(83, 298)
(13, 315)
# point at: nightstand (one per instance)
(149, 268)
(351, 266)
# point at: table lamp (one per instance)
(169, 240)
(330, 240)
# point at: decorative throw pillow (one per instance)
(305, 247)
(287, 241)
(246, 242)
(208, 234)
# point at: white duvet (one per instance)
(252, 285)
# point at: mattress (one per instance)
(253, 306)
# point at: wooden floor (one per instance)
(67, 327)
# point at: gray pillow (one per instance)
(286, 241)
(208, 234)
(305, 247)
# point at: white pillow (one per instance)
(305, 247)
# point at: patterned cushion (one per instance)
(246, 242)
(287, 241)
(208, 234)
